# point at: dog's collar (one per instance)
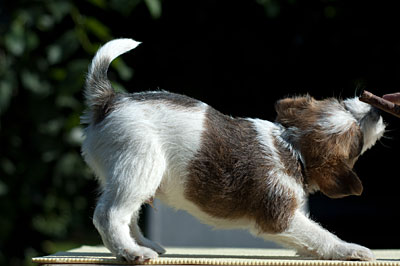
(302, 167)
(286, 137)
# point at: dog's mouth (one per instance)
(373, 128)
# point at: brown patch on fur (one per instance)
(336, 179)
(230, 178)
(328, 157)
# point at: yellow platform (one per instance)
(212, 256)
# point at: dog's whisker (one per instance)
(387, 137)
(384, 145)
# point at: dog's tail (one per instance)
(98, 90)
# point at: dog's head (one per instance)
(330, 136)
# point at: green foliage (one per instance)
(46, 190)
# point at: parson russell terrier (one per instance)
(228, 172)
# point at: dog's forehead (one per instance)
(332, 117)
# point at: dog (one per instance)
(227, 172)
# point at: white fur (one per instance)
(112, 50)
(372, 130)
(131, 155)
(357, 108)
(311, 240)
(97, 83)
(141, 149)
(336, 120)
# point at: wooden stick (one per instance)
(380, 103)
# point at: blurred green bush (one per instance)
(46, 191)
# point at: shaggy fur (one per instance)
(228, 172)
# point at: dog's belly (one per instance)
(171, 193)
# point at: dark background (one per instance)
(238, 56)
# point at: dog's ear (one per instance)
(289, 109)
(295, 102)
(337, 180)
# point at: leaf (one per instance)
(68, 165)
(76, 70)
(124, 7)
(59, 9)
(6, 91)
(118, 87)
(9, 168)
(58, 73)
(154, 7)
(124, 71)
(32, 82)
(97, 28)
(32, 40)
(63, 47)
(75, 136)
(3, 189)
(54, 54)
(51, 127)
(99, 3)
(14, 40)
(52, 224)
(67, 101)
(45, 22)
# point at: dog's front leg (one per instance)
(310, 239)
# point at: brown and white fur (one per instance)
(228, 172)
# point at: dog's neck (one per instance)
(291, 136)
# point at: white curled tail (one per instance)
(98, 89)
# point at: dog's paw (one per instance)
(159, 249)
(304, 253)
(140, 255)
(152, 245)
(348, 251)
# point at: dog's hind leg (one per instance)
(131, 181)
(137, 234)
